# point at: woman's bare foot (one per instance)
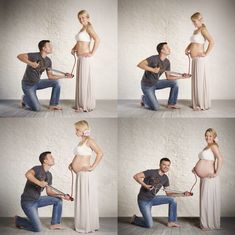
(197, 108)
(173, 224)
(79, 110)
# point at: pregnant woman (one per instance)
(86, 204)
(200, 82)
(208, 169)
(85, 97)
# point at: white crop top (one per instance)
(197, 38)
(206, 154)
(83, 36)
(82, 150)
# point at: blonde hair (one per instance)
(83, 124)
(84, 12)
(198, 16)
(213, 132)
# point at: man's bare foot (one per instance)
(132, 219)
(173, 224)
(17, 226)
(173, 106)
(22, 104)
(55, 107)
(56, 227)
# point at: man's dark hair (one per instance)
(165, 159)
(43, 156)
(160, 46)
(42, 43)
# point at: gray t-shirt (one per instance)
(31, 75)
(150, 78)
(32, 191)
(153, 178)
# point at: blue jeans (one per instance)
(30, 98)
(30, 208)
(146, 206)
(149, 99)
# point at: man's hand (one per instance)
(156, 70)
(66, 197)
(187, 194)
(34, 65)
(69, 75)
(43, 184)
(186, 75)
(149, 187)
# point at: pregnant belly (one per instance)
(79, 162)
(82, 48)
(204, 167)
(196, 49)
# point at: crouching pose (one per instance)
(151, 182)
(39, 178)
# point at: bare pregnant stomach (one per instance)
(204, 167)
(82, 48)
(196, 49)
(79, 162)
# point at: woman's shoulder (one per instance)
(90, 141)
(203, 29)
(214, 147)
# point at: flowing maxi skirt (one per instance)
(200, 84)
(210, 203)
(86, 203)
(84, 95)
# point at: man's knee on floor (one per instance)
(149, 225)
(37, 229)
(36, 108)
(155, 107)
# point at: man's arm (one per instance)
(139, 178)
(56, 77)
(24, 58)
(51, 193)
(144, 65)
(30, 175)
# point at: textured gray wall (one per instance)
(21, 142)
(24, 23)
(143, 24)
(142, 143)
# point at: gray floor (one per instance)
(220, 109)
(108, 226)
(189, 226)
(104, 108)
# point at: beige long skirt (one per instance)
(86, 203)
(210, 203)
(84, 97)
(200, 84)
